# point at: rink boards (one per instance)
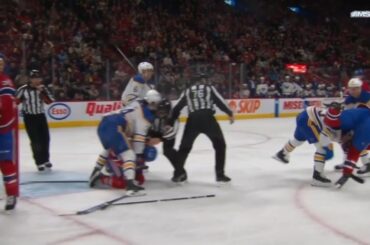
(89, 113)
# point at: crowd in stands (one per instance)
(245, 53)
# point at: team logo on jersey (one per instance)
(59, 111)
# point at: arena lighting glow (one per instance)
(295, 9)
(297, 68)
(230, 2)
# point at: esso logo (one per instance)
(59, 111)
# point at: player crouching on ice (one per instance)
(357, 97)
(114, 131)
(309, 125)
(355, 120)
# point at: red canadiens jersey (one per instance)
(8, 106)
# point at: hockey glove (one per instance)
(329, 153)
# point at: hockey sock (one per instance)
(9, 171)
(129, 170)
(102, 159)
(128, 165)
(319, 160)
(291, 145)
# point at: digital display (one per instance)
(297, 68)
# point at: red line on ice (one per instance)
(300, 203)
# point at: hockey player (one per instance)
(356, 120)
(8, 139)
(138, 85)
(309, 124)
(165, 132)
(114, 131)
(357, 97)
(111, 175)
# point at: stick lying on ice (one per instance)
(164, 200)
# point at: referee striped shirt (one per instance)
(33, 99)
(201, 97)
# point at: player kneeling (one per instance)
(111, 176)
(133, 121)
(309, 125)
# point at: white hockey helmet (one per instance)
(355, 83)
(153, 97)
(144, 66)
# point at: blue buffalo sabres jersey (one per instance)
(134, 121)
(362, 100)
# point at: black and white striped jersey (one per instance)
(201, 97)
(164, 129)
(33, 100)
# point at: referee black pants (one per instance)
(38, 133)
(169, 151)
(202, 122)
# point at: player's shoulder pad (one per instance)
(138, 78)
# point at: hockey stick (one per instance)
(164, 200)
(53, 182)
(125, 57)
(358, 179)
(342, 180)
(101, 206)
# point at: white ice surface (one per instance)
(267, 202)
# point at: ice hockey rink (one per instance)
(266, 203)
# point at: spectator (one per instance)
(262, 88)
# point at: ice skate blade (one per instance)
(317, 183)
(279, 160)
(135, 193)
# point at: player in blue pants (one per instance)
(309, 125)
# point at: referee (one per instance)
(33, 95)
(200, 99)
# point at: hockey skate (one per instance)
(94, 177)
(364, 170)
(282, 157)
(132, 188)
(320, 180)
(11, 202)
